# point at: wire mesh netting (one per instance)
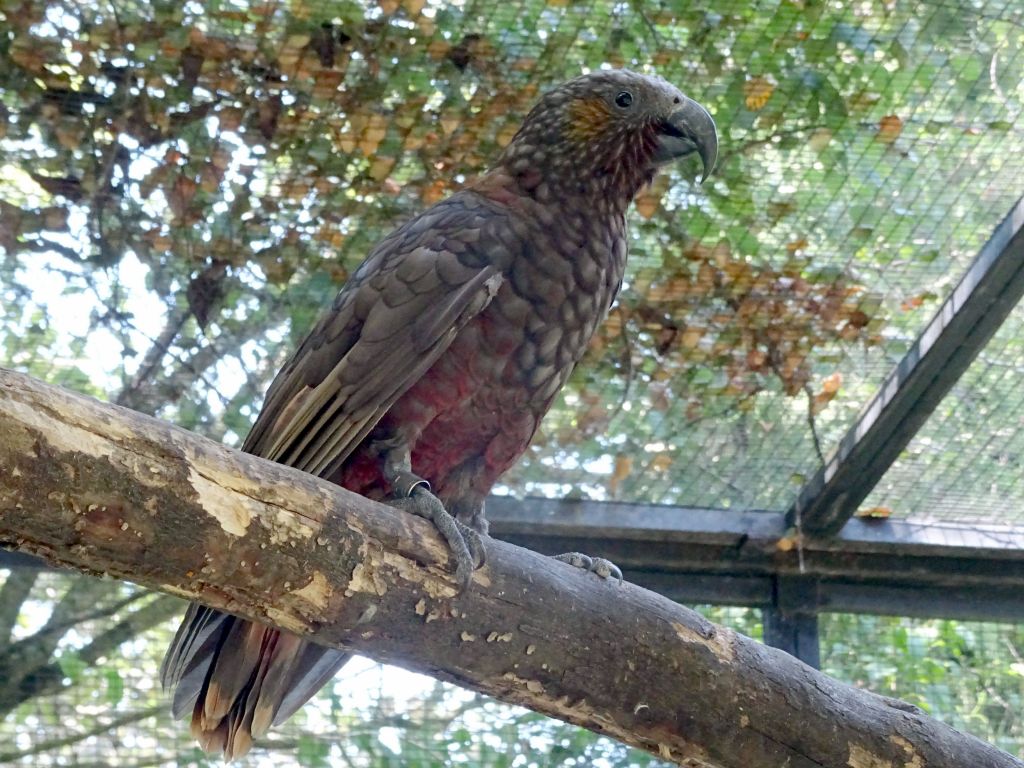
(96, 701)
(966, 463)
(238, 160)
(968, 674)
(184, 185)
(881, 233)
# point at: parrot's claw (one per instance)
(467, 548)
(603, 568)
(475, 543)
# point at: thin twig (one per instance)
(175, 320)
(813, 424)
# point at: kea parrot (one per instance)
(427, 377)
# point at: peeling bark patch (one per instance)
(287, 620)
(60, 434)
(533, 686)
(282, 497)
(367, 616)
(365, 579)
(71, 433)
(581, 711)
(221, 504)
(378, 567)
(317, 592)
(288, 528)
(914, 759)
(411, 571)
(719, 641)
(862, 758)
(434, 615)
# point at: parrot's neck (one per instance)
(603, 178)
(608, 192)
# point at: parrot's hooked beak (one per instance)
(687, 130)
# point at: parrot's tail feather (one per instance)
(238, 678)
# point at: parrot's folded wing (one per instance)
(398, 313)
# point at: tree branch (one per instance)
(104, 490)
(129, 394)
(96, 730)
(13, 595)
(49, 678)
(23, 665)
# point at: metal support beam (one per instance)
(988, 291)
(743, 532)
(727, 557)
(841, 595)
(791, 621)
(796, 634)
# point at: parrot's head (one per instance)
(610, 131)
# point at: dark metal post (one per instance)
(791, 621)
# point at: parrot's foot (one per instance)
(603, 568)
(467, 547)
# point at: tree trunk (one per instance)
(105, 490)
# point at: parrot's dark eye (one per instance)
(624, 99)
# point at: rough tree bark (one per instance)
(108, 491)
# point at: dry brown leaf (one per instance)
(820, 139)
(756, 92)
(647, 204)
(621, 471)
(180, 195)
(721, 254)
(505, 134)
(877, 513)
(889, 129)
(691, 337)
(438, 49)
(162, 243)
(434, 192)
(913, 302)
(831, 383)
(373, 134)
(346, 142)
(326, 82)
(662, 462)
(381, 167)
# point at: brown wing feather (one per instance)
(397, 314)
(394, 318)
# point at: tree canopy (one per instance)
(184, 185)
